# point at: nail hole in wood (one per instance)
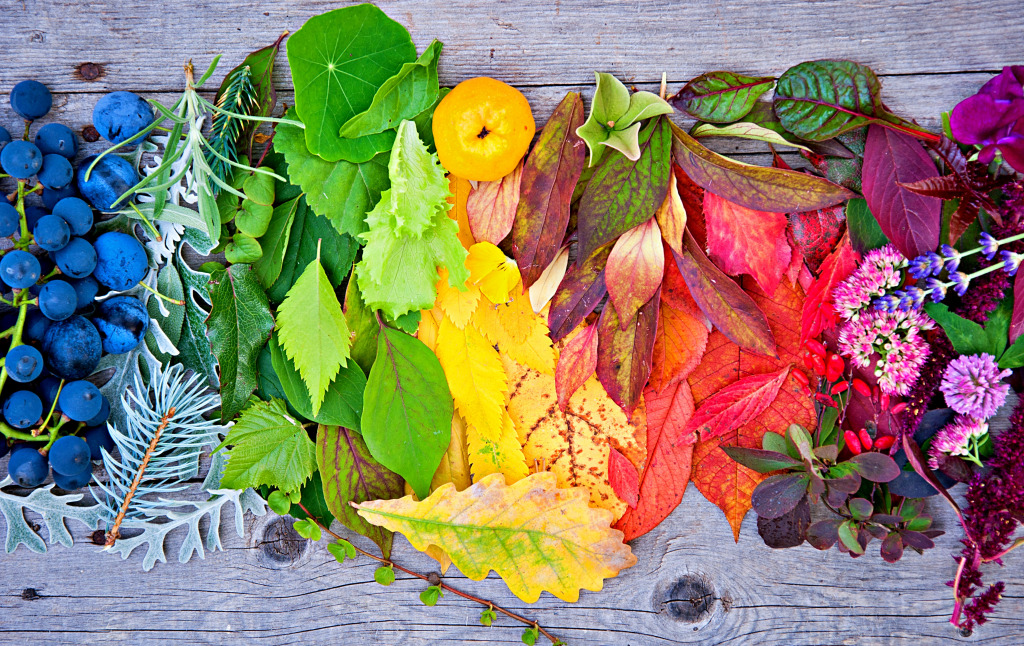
(30, 594)
(280, 545)
(89, 71)
(690, 599)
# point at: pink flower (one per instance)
(957, 439)
(973, 385)
(895, 339)
(878, 273)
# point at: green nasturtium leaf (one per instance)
(243, 249)
(343, 401)
(720, 97)
(403, 96)
(341, 191)
(313, 330)
(615, 117)
(338, 60)
(269, 447)
(351, 474)
(239, 325)
(407, 409)
(624, 193)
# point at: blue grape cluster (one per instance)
(51, 273)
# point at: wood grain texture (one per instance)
(693, 584)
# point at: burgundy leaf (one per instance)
(823, 534)
(624, 354)
(789, 529)
(779, 494)
(579, 293)
(817, 232)
(1017, 320)
(876, 467)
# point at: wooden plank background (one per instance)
(692, 584)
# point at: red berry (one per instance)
(862, 387)
(825, 400)
(834, 367)
(819, 365)
(865, 439)
(852, 442)
(816, 347)
(885, 442)
(898, 408)
(885, 401)
(801, 378)
(875, 392)
(840, 387)
(809, 360)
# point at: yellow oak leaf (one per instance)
(492, 271)
(457, 305)
(475, 374)
(460, 189)
(535, 535)
(574, 444)
(497, 453)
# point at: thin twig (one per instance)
(113, 533)
(441, 584)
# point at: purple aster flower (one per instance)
(957, 439)
(973, 385)
(989, 245)
(961, 282)
(936, 288)
(1011, 261)
(952, 257)
(994, 118)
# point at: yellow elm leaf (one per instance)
(492, 271)
(535, 535)
(574, 444)
(460, 189)
(458, 306)
(476, 378)
(497, 453)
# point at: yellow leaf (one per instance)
(543, 290)
(518, 332)
(495, 274)
(460, 189)
(458, 306)
(536, 536)
(476, 377)
(454, 467)
(671, 216)
(497, 453)
(574, 444)
(430, 320)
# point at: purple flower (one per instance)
(961, 282)
(936, 288)
(957, 439)
(878, 273)
(973, 385)
(989, 245)
(925, 265)
(994, 118)
(952, 257)
(1011, 261)
(887, 303)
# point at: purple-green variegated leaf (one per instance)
(760, 460)
(720, 97)
(876, 467)
(823, 534)
(779, 494)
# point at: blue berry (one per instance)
(58, 139)
(58, 300)
(10, 221)
(80, 400)
(51, 232)
(86, 289)
(72, 483)
(77, 213)
(72, 348)
(70, 455)
(111, 178)
(21, 159)
(19, 269)
(77, 259)
(5, 137)
(48, 389)
(102, 416)
(31, 100)
(32, 215)
(99, 438)
(27, 467)
(23, 409)
(36, 325)
(23, 363)
(118, 116)
(120, 261)
(56, 171)
(52, 196)
(122, 322)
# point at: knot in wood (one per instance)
(280, 545)
(30, 594)
(690, 599)
(89, 71)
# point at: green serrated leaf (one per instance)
(343, 401)
(402, 96)
(418, 190)
(313, 330)
(338, 60)
(341, 191)
(269, 447)
(966, 336)
(239, 324)
(407, 409)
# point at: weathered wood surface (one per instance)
(692, 584)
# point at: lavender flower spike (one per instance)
(973, 385)
(989, 245)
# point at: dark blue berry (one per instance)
(86, 289)
(72, 483)
(23, 363)
(23, 409)
(58, 139)
(80, 400)
(27, 467)
(72, 348)
(119, 116)
(21, 159)
(10, 221)
(56, 171)
(58, 300)
(77, 259)
(122, 322)
(111, 178)
(98, 438)
(77, 213)
(70, 455)
(51, 232)
(31, 100)
(120, 261)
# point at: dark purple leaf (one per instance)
(917, 460)
(876, 467)
(861, 508)
(760, 460)
(945, 187)
(1017, 320)
(823, 534)
(956, 468)
(779, 494)
(578, 294)
(789, 529)
(848, 483)
(836, 497)
(892, 547)
(917, 540)
(886, 519)
(876, 531)
(909, 220)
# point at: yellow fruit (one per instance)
(482, 129)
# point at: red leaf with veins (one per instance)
(818, 312)
(634, 270)
(744, 241)
(576, 363)
(735, 405)
(817, 232)
(624, 352)
(623, 478)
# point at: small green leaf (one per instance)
(848, 535)
(530, 635)
(760, 460)
(278, 501)
(615, 118)
(488, 617)
(801, 439)
(269, 447)
(313, 331)
(295, 497)
(259, 187)
(342, 549)
(861, 508)
(919, 524)
(407, 409)
(865, 232)
(253, 218)
(307, 529)
(1014, 355)
(430, 596)
(243, 249)
(720, 97)
(384, 575)
(772, 441)
(275, 242)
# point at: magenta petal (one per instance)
(974, 119)
(1006, 84)
(1013, 153)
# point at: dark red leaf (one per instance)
(779, 494)
(789, 529)
(624, 355)
(823, 534)
(578, 294)
(818, 312)
(1017, 320)
(875, 467)
(817, 232)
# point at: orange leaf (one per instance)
(460, 193)
(667, 470)
(721, 480)
(736, 404)
(671, 216)
(576, 364)
(819, 313)
(682, 332)
(491, 207)
(623, 478)
(634, 270)
(745, 241)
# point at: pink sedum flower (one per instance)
(973, 385)
(957, 439)
(890, 340)
(878, 273)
